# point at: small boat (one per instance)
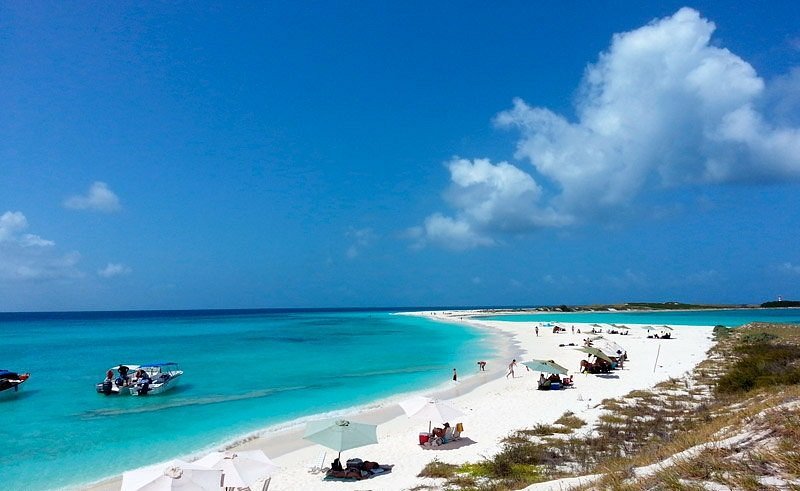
(11, 382)
(120, 384)
(155, 378)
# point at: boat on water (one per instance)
(155, 378)
(11, 382)
(119, 385)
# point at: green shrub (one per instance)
(436, 468)
(761, 365)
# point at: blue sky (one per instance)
(198, 155)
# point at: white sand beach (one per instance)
(494, 405)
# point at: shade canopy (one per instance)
(547, 366)
(608, 346)
(425, 408)
(596, 352)
(175, 474)
(340, 434)
(240, 469)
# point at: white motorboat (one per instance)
(11, 383)
(120, 384)
(155, 378)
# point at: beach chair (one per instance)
(448, 435)
(457, 431)
(317, 465)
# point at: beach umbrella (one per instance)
(547, 366)
(420, 407)
(596, 352)
(175, 474)
(608, 346)
(240, 469)
(666, 327)
(340, 434)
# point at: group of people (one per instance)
(356, 469)
(545, 383)
(125, 379)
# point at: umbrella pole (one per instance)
(429, 427)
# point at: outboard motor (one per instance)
(107, 385)
(144, 389)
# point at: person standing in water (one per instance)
(455, 375)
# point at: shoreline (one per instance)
(475, 393)
(284, 438)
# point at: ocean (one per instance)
(244, 371)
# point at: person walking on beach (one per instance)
(482, 366)
(455, 375)
(511, 368)
(537, 331)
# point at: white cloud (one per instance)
(487, 197)
(362, 239)
(455, 234)
(661, 108)
(99, 198)
(30, 257)
(114, 269)
(789, 268)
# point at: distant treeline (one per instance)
(781, 303)
(670, 306)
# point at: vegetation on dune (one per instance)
(780, 303)
(748, 390)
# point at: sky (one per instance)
(189, 155)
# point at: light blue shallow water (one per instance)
(730, 317)
(243, 372)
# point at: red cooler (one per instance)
(423, 438)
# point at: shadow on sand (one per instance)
(461, 442)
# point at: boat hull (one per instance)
(157, 388)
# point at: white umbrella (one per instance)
(240, 469)
(420, 407)
(340, 434)
(608, 346)
(175, 474)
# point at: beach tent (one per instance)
(240, 469)
(175, 474)
(340, 434)
(547, 366)
(596, 352)
(420, 407)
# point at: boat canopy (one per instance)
(160, 364)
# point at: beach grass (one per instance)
(732, 422)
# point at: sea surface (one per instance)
(726, 317)
(244, 371)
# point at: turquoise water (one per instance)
(730, 318)
(243, 372)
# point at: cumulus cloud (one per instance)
(114, 269)
(98, 198)
(487, 197)
(661, 108)
(26, 256)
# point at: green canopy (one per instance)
(596, 352)
(547, 366)
(340, 434)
